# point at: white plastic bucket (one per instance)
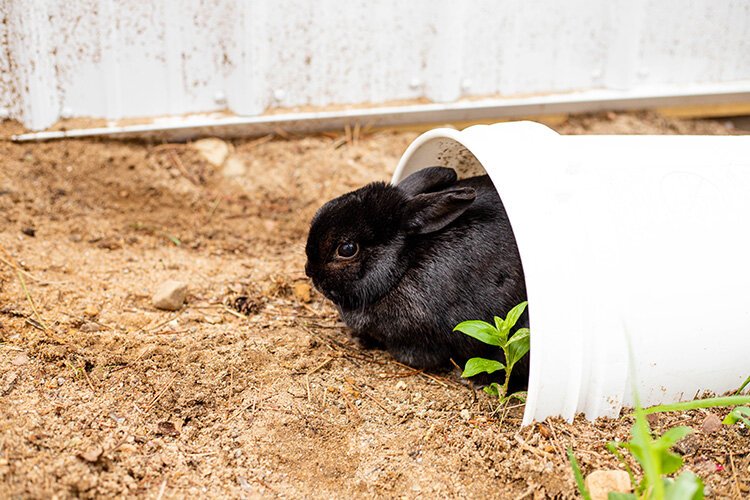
(637, 243)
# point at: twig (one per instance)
(160, 394)
(86, 376)
(165, 147)
(179, 166)
(212, 211)
(233, 312)
(350, 405)
(152, 329)
(377, 402)
(162, 488)
(528, 448)
(734, 476)
(262, 140)
(558, 445)
(265, 485)
(31, 321)
(10, 263)
(427, 375)
(321, 365)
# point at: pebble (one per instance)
(91, 310)
(303, 292)
(170, 295)
(711, 424)
(234, 167)
(213, 150)
(601, 482)
(20, 360)
(213, 320)
(92, 454)
(244, 484)
(89, 327)
(465, 414)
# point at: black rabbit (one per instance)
(405, 264)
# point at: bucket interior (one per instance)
(447, 152)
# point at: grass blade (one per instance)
(700, 403)
(578, 475)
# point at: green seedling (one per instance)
(654, 456)
(741, 413)
(514, 347)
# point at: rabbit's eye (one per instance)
(347, 250)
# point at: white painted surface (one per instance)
(630, 244)
(128, 58)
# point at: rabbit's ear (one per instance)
(426, 213)
(428, 180)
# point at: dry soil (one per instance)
(101, 395)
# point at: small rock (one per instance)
(303, 292)
(168, 429)
(89, 327)
(244, 484)
(215, 151)
(213, 320)
(401, 385)
(544, 430)
(91, 311)
(29, 231)
(170, 295)
(8, 383)
(20, 359)
(601, 482)
(234, 167)
(711, 424)
(465, 414)
(92, 455)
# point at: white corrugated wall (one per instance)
(130, 58)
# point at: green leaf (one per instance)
(499, 323)
(672, 436)
(518, 345)
(642, 448)
(739, 414)
(481, 331)
(481, 365)
(670, 462)
(493, 389)
(687, 486)
(512, 318)
(520, 395)
(578, 475)
(616, 495)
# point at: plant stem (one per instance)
(508, 369)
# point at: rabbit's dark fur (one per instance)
(431, 252)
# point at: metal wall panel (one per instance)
(116, 59)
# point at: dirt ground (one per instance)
(101, 395)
